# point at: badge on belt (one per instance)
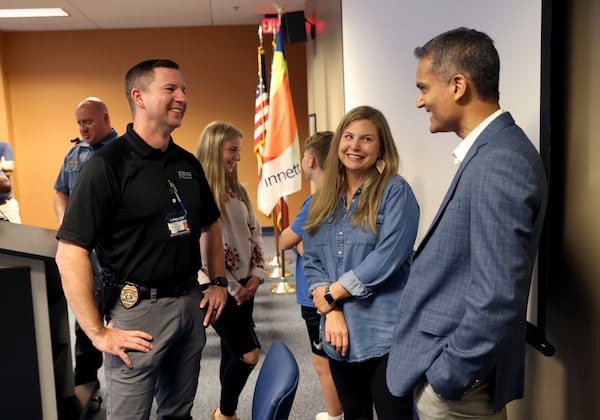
(130, 294)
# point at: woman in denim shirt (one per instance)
(358, 245)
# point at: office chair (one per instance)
(276, 384)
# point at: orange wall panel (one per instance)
(48, 73)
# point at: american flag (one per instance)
(261, 112)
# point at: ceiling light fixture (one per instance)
(32, 13)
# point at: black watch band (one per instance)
(219, 281)
(328, 296)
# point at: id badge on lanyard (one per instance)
(177, 221)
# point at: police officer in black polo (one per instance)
(144, 204)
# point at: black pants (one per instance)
(236, 330)
(88, 359)
(360, 385)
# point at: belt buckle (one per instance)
(129, 296)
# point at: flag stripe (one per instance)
(261, 112)
(282, 122)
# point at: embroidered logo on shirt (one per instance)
(184, 174)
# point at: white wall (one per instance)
(379, 38)
(325, 75)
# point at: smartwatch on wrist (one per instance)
(219, 281)
(328, 296)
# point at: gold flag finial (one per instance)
(279, 9)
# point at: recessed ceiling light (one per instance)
(31, 13)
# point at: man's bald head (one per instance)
(93, 120)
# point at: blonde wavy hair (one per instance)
(208, 152)
(326, 199)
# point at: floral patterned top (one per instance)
(242, 239)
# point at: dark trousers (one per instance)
(362, 385)
(88, 359)
(236, 330)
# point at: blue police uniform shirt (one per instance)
(7, 153)
(74, 160)
(373, 268)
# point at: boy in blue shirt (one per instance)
(316, 148)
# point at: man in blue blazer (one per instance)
(459, 342)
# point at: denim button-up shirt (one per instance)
(373, 268)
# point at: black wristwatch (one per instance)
(219, 281)
(328, 296)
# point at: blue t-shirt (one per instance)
(297, 226)
(373, 268)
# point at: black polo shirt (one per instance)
(120, 207)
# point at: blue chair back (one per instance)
(276, 384)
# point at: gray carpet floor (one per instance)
(277, 317)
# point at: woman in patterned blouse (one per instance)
(219, 152)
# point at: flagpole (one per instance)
(277, 147)
(275, 260)
(283, 286)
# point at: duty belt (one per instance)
(130, 293)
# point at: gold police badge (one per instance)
(129, 295)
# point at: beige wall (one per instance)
(47, 73)
(324, 61)
(325, 76)
(565, 386)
